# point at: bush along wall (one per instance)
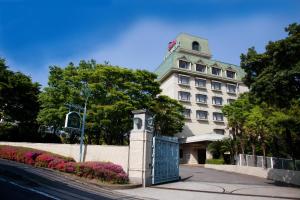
(103, 171)
(215, 161)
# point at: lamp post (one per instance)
(86, 93)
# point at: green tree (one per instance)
(274, 78)
(274, 75)
(220, 147)
(257, 129)
(236, 114)
(18, 105)
(115, 92)
(286, 124)
(168, 115)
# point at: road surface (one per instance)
(20, 181)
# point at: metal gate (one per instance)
(165, 159)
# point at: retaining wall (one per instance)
(281, 175)
(111, 153)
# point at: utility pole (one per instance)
(86, 93)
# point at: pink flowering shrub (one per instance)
(43, 160)
(103, 171)
(7, 152)
(30, 157)
(55, 163)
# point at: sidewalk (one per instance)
(204, 190)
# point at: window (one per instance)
(217, 101)
(231, 88)
(219, 131)
(217, 116)
(195, 46)
(230, 101)
(230, 74)
(201, 98)
(187, 113)
(184, 64)
(185, 80)
(200, 83)
(184, 96)
(216, 71)
(216, 85)
(201, 114)
(200, 68)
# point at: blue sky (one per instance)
(36, 34)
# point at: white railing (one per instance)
(271, 162)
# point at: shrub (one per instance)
(215, 161)
(55, 163)
(103, 171)
(43, 160)
(30, 157)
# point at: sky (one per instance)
(36, 34)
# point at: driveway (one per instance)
(198, 173)
(202, 183)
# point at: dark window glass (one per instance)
(201, 114)
(201, 98)
(195, 46)
(217, 116)
(216, 71)
(185, 80)
(200, 68)
(217, 100)
(184, 64)
(219, 131)
(215, 86)
(200, 83)
(231, 88)
(185, 96)
(187, 113)
(230, 74)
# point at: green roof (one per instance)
(183, 50)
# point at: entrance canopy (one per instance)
(202, 137)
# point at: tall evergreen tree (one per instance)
(18, 105)
(115, 92)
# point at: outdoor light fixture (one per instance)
(150, 123)
(137, 123)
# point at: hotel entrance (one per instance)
(201, 156)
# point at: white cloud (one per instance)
(145, 43)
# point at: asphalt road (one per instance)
(209, 184)
(19, 181)
(196, 174)
(11, 191)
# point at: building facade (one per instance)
(203, 86)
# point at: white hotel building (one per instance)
(203, 86)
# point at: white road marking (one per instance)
(30, 189)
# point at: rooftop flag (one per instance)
(171, 44)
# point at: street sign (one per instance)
(73, 120)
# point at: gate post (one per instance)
(140, 148)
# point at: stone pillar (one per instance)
(140, 148)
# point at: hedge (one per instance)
(103, 171)
(215, 161)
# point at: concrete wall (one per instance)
(115, 154)
(286, 176)
(253, 171)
